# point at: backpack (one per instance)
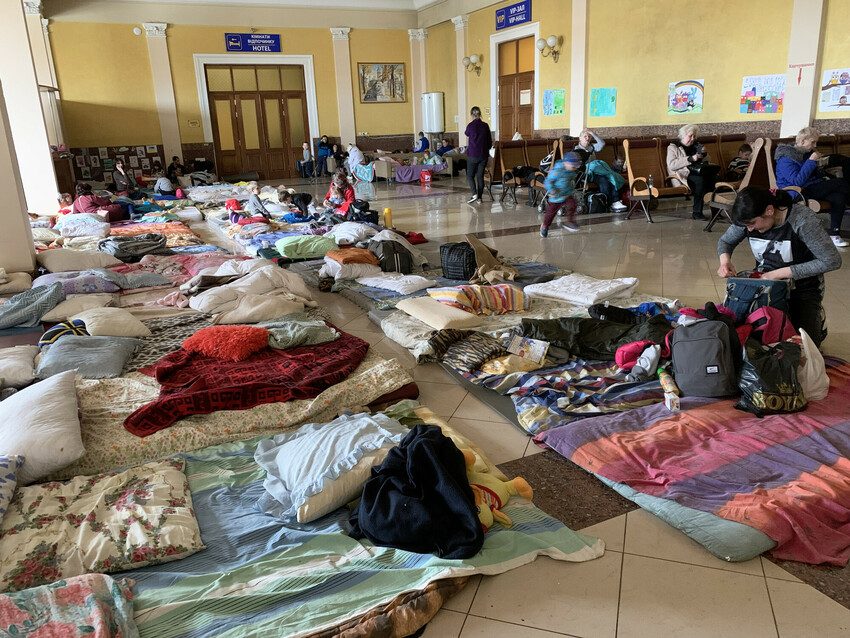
(458, 261)
(745, 295)
(770, 325)
(595, 203)
(704, 361)
(392, 256)
(359, 212)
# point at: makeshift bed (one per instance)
(259, 576)
(735, 483)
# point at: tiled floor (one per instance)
(652, 581)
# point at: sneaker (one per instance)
(544, 232)
(473, 199)
(839, 242)
(618, 207)
(571, 226)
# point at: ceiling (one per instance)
(397, 5)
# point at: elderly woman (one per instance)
(687, 162)
(802, 166)
(610, 182)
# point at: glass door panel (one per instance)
(274, 129)
(250, 124)
(297, 126)
(224, 125)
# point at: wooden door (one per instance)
(223, 115)
(507, 107)
(297, 127)
(525, 104)
(250, 120)
(278, 155)
(516, 61)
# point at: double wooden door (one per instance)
(256, 130)
(516, 105)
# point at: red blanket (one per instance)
(193, 383)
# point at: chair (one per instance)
(759, 173)
(643, 161)
(711, 145)
(729, 145)
(608, 154)
(512, 155)
(842, 146)
(536, 151)
(493, 170)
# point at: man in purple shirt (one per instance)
(478, 152)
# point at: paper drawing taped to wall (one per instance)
(762, 93)
(835, 90)
(553, 101)
(603, 102)
(685, 96)
(382, 82)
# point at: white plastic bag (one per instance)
(812, 371)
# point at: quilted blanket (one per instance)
(583, 290)
(176, 233)
(787, 475)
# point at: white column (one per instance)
(418, 74)
(163, 90)
(461, 23)
(17, 253)
(801, 81)
(578, 67)
(23, 104)
(344, 85)
(45, 73)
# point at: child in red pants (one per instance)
(560, 184)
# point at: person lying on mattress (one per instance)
(788, 242)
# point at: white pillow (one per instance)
(16, 282)
(338, 271)
(112, 322)
(41, 423)
(76, 304)
(17, 366)
(438, 315)
(64, 260)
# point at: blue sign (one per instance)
(253, 42)
(513, 15)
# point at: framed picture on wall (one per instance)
(151, 148)
(381, 82)
(85, 171)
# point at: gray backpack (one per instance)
(704, 360)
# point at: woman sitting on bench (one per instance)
(687, 163)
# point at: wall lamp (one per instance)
(551, 46)
(472, 63)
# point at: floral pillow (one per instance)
(102, 523)
(88, 605)
(9, 466)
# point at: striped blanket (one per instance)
(258, 577)
(787, 475)
(482, 300)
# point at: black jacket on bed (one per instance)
(419, 499)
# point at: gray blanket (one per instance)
(132, 249)
(26, 309)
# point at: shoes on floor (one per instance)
(700, 217)
(474, 199)
(544, 232)
(839, 241)
(571, 226)
(618, 207)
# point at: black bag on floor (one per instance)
(457, 260)
(745, 295)
(360, 212)
(393, 257)
(768, 381)
(703, 356)
(595, 203)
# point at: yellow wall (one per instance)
(105, 82)
(668, 41)
(441, 65)
(835, 51)
(555, 18)
(385, 45)
(184, 41)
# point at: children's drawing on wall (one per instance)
(603, 102)
(835, 90)
(762, 93)
(685, 96)
(553, 101)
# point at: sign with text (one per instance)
(513, 15)
(253, 42)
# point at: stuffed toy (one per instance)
(492, 493)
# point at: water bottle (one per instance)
(388, 217)
(650, 182)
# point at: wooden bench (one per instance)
(643, 160)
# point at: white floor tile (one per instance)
(573, 598)
(473, 408)
(485, 628)
(443, 399)
(433, 373)
(611, 531)
(501, 442)
(803, 612)
(446, 624)
(462, 601)
(532, 448)
(374, 338)
(362, 323)
(660, 598)
(772, 570)
(648, 535)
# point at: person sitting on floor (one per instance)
(88, 202)
(202, 175)
(125, 183)
(738, 166)
(175, 170)
(800, 165)
(687, 164)
(422, 144)
(339, 155)
(340, 195)
(163, 186)
(255, 207)
(66, 203)
(560, 185)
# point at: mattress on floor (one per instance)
(258, 576)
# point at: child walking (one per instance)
(560, 184)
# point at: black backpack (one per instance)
(393, 257)
(596, 204)
(458, 261)
(360, 212)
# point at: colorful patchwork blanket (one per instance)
(787, 475)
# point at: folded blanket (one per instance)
(583, 290)
(353, 256)
(132, 248)
(482, 300)
(191, 383)
(402, 284)
(26, 309)
(298, 332)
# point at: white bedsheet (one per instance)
(583, 290)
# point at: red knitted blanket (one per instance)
(193, 383)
